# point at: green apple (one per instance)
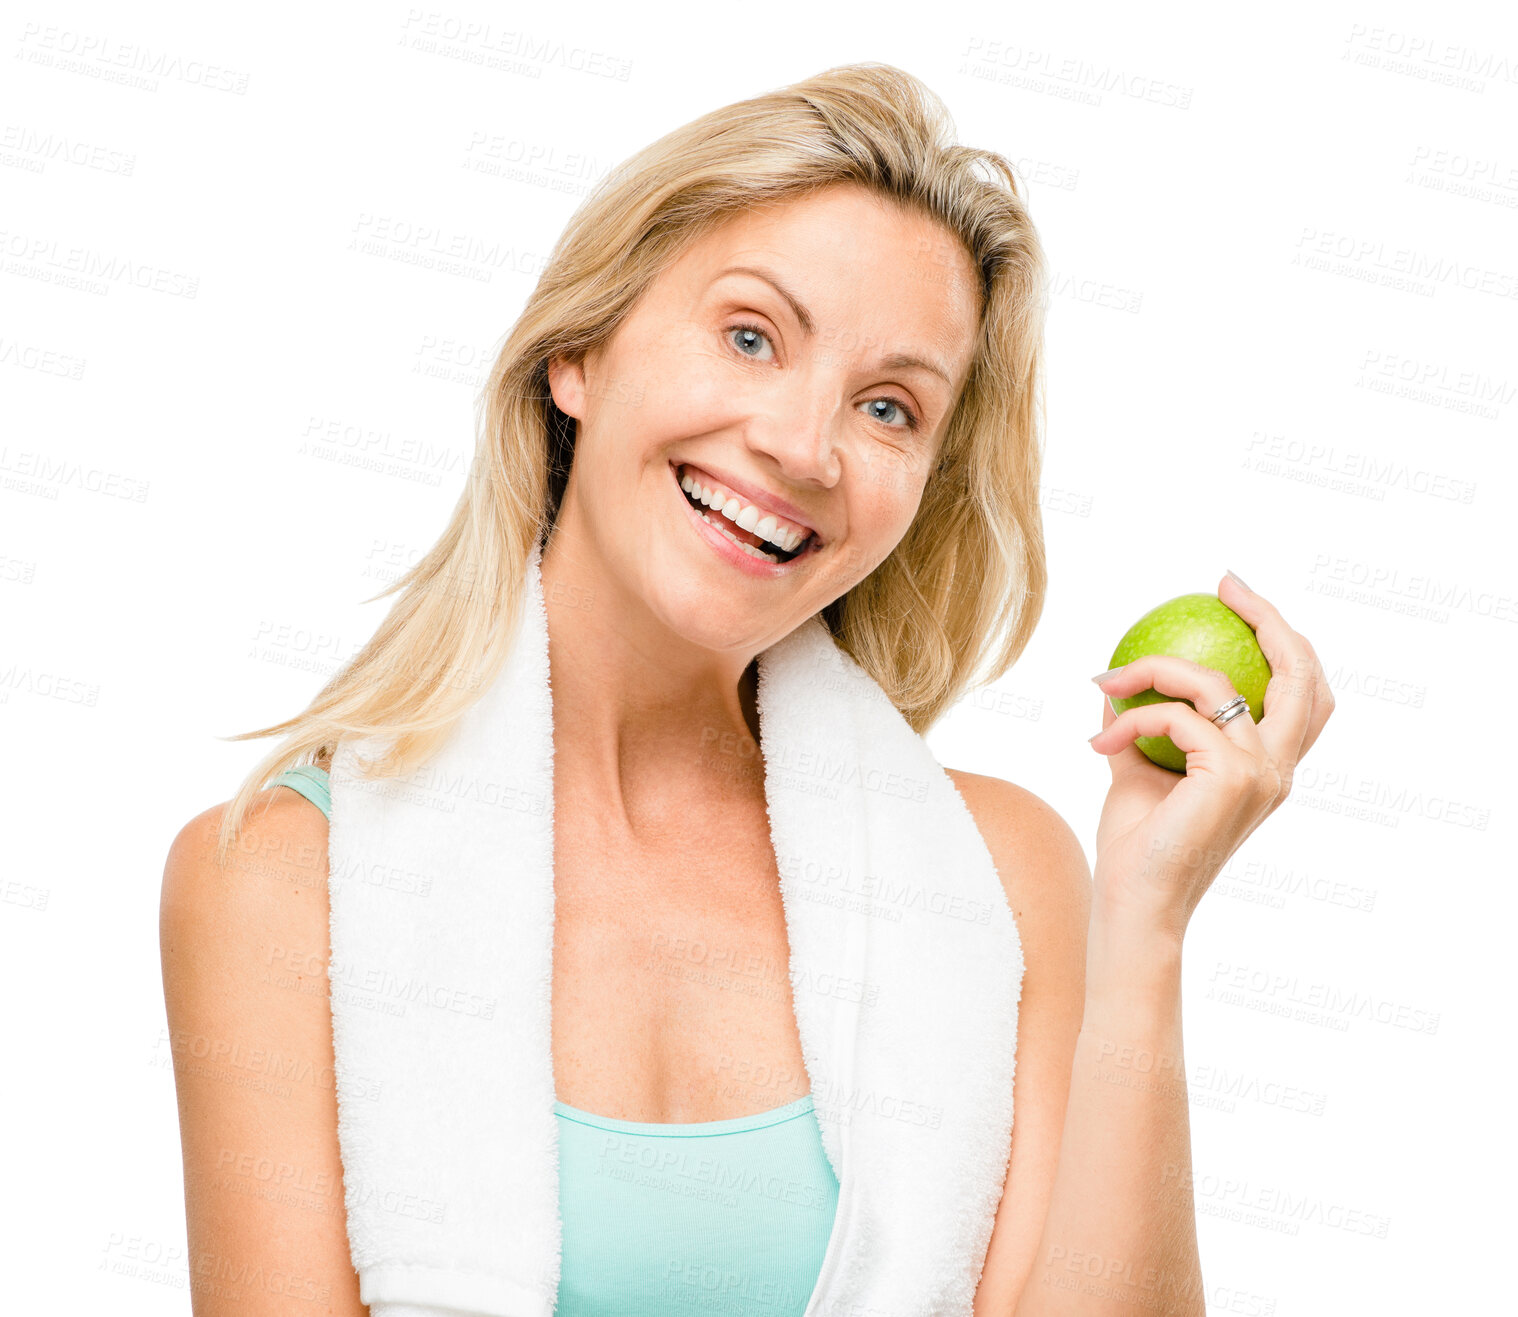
(1202, 628)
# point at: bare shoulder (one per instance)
(280, 853)
(271, 891)
(1039, 858)
(244, 947)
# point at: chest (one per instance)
(671, 996)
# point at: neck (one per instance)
(644, 720)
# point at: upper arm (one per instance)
(244, 950)
(1048, 884)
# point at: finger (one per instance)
(1207, 690)
(1322, 696)
(1190, 731)
(1322, 701)
(1295, 673)
(1125, 759)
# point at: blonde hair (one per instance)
(957, 598)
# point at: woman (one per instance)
(783, 365)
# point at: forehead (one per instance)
(852, 256)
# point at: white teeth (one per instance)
(765, 525)
(747, 548)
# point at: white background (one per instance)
(1281, 340)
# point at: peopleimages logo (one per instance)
(391, 987)
(98, 56)
(504, 49)
(51, 262)
(1315, 1002)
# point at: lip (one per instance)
(744, 562)
(761, 499)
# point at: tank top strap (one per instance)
(312, 782)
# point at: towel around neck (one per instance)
(906, 969)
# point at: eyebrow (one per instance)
(895, 361)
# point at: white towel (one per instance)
(906, 968)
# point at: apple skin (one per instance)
(1202, 628)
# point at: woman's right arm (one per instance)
(244, 950)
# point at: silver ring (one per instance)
(1231, 710)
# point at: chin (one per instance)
(705, 607)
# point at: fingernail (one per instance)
(1102, 676)
(1090, 739)
(1238, 578)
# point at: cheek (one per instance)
(891, 485)
(680, 383)
(882, 507)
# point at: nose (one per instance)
(799, 429)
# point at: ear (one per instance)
(566, 381)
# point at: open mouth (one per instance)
(751, 541)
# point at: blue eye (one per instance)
(752, 342)
(744, 337)
(891, 403)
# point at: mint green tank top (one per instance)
(731, 1216)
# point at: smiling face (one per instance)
(796, 368)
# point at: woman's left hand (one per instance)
(1164, 836)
